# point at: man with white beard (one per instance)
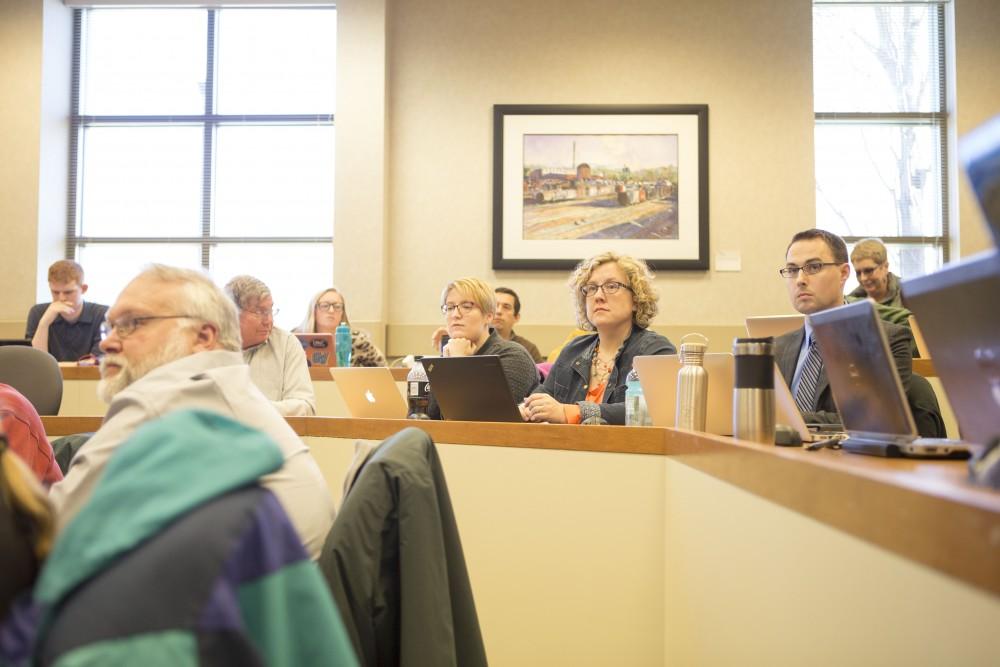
(172, 341)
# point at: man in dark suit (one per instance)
(816, 268)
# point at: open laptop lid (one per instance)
(980, 151)
(320, 348)
(765, 326)
(785, 410)
(370, 393)
(472, 388)
(862, 374)
(658, 377)
(960, 322)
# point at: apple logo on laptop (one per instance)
(369, 396)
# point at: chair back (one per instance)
(35, 374)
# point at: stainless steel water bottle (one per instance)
(753, 390)
(692, 385)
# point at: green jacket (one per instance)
(181, 558)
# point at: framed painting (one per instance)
(570, 182)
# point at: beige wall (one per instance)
(416, 85)
(451, 61)
(20, 117)
(977, 81)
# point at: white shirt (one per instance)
(279, 369)
(218, 381)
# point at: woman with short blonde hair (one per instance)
(613, 296)
(468, 305)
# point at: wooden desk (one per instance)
(647, 546)
(925, 511)
(80, 391)
(317, 374)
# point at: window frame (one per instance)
(209, 120)
(938, 119)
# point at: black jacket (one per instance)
(569, 378)
(394, 562)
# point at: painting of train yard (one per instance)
(600, 186)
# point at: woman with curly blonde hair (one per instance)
(614, 297)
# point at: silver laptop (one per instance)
(658, 377)
(472, 388)
(867, 389)
(773, 325)
(960, 322)
(370, 393)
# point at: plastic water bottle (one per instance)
(343, 344)
(417, 391)
(636, 413)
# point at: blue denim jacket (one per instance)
(569, 378)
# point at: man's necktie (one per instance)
(805, 392)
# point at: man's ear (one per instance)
(845, 272)
(206, 337)
(83, 288)
(517, 318)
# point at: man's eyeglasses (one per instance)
(865, 273)
(126, 326)
(809, 268)
(464, 308)
(330, 306)
(609, 288)
(263, 314)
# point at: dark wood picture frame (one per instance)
(687, 249)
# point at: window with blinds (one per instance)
(204, 138)
(882, 127)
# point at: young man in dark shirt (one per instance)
(68, 328)
(508, 314)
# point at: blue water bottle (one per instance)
(343, 345)
(636, 413)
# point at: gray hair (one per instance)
(246, 291)
(871, 248)
(201, 299)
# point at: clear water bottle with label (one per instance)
(636, 413)
(417, 391)
(343, 344)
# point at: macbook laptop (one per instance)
(960, 322)
(319, 348)
(773, 325)
(472, 388)
(867, 389)
(658, 377)
(370, 393)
